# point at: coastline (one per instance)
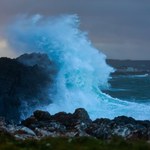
(42, 124)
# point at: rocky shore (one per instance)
(24, 86)
(42, 124)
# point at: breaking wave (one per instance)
(82, 70)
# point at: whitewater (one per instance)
(82, 69)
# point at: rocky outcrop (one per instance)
(24, 84)
(123, 126)
(43, 124)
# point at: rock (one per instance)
(101, 131)
(62, 124)
(81, 118)
(148, 133)
(56, 126)
(63, 118)
(43, 133)
(81, 115)
(129, 128)
(42, 115)
(33, 59)
(122, 120)
(80, 130)
(125, 127)
(23, 133)
(102, 121)
(19, 132)
(24, 84)
(80, 124)
(3, 128)
(138, 132)
(24, 130)
(71, 134)
(123, 131)
(24, 136)
(29, 122)
(2, 122)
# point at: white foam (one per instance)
(82, 68)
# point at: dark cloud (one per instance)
(120, 28)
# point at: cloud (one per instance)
(5, 50)
(120, 27)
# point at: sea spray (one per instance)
(82, 70)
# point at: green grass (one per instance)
(83, 143)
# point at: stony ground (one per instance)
(42, 124)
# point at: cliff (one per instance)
(24, 82)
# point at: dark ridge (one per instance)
(130, 67)
(24, 84)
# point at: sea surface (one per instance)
(134, 88)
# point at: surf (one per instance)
(82, 69)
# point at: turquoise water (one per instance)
(130, 87)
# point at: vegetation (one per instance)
(61, 143)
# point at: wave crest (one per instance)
(82, 69)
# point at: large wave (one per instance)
(82, 70)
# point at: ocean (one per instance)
(83, 76)
(130, 81)
(135, 88)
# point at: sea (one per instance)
(130, 81)
(83, 77)
(133, 88)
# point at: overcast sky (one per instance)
(119, 28)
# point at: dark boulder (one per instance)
(100, 128)
(30, 122)
(121, 120)
(63, 117)
(81, 115)
(42, 115)
(122, 126)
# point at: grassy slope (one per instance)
(82, 143)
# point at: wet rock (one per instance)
(101, 131)
(100, 128)
(42, 115)
(123, 131)
(122, 120)
(80, 129)
(33, 59)
(56, 126)
(63, 117)
(43, 133)
(102, 121)
(125, 127)
(24, 130)
(24, 84)
(81, 115)
(62, 124)
(71, 134)
(24, 136)
(29, 122)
